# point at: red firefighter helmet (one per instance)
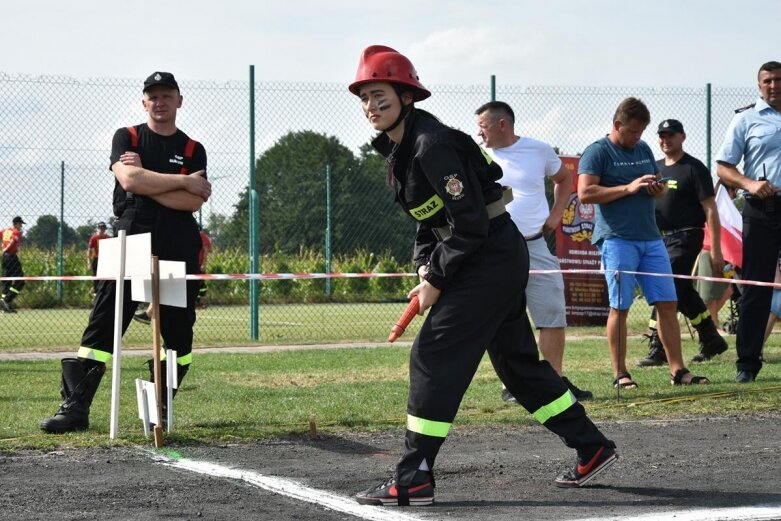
(383, 64)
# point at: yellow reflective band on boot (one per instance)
(428, 427)
(699, 318)
(427, 209)
(94, 354)
(557, 406)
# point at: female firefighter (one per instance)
(473, 265)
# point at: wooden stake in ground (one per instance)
(158, 430)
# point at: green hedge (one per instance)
(77, 293)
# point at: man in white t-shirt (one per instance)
(526, 163)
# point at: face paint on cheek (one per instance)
(383, 104)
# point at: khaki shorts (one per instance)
(709, 291)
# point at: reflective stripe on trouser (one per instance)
(428, 427)
(11, 268)
(175, 324)
(485, 306)
(105, 357)
(177, 241)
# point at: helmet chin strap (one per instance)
(405, 109)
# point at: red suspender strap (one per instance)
(133, 136)
(189, 149)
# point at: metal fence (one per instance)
(324, 206)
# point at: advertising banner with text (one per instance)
(585, 294)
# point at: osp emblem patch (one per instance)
(454, 187)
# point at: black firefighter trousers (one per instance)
(683, 248)
(173, 241)
(485, 309)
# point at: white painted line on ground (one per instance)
(289, 488)
(756, 513)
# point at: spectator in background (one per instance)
(10, 239)
(754, 137)
(93, 251)
(526, 164)
(716, 294)
(681, 214)
(619, 174)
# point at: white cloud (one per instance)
(461, 54)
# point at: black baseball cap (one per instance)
(18, 219)
(160, 78)
(101, 224)
(670, 126)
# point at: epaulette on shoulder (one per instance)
(741, 109)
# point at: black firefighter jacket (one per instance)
(442, 178)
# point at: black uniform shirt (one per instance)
(681, 207)
(162, 154)
(442, 178)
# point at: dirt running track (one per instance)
(665, 469)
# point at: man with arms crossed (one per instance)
(160, 180)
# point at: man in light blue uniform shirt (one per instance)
(619, 174)
(754, 136)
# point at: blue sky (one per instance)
(523, 42)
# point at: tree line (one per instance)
(293, 210)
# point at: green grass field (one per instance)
(61, 329)
(242, 397)
(57, 329)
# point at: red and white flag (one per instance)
(731, 229)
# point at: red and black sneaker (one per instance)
(587, 467)
(390, 494)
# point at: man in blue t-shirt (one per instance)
(618, 173)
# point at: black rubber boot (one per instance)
(711, 342)
(181, 372)
(656, 355)
(80, 381)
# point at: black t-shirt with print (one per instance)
(681, 207)
(163, 154)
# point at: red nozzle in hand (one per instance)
(412, 309)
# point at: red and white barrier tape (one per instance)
(305, 276)
(230, 276)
